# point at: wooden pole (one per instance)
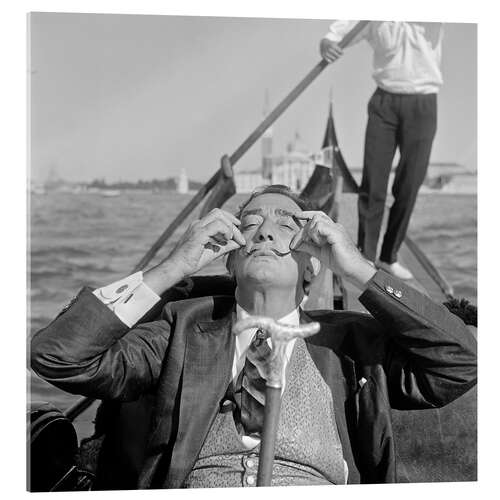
(269, 433)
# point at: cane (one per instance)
(280, 336)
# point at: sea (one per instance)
(89, 239)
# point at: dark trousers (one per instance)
(407, 122)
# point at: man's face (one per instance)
(268, 225)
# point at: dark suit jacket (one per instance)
(411, 351)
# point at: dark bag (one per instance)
(53, 451)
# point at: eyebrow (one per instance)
(277, 211)
(255, 211)
(283, 212)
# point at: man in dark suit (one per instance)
(200, 384)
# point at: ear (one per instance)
(313, 268)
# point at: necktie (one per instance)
(250, 389)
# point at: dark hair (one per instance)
(303, 203)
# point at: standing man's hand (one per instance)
(205, 240)
(330, 243)
(330, 51)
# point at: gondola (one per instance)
(64, 447)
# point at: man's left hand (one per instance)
(330, 243)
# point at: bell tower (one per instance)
(267, 144)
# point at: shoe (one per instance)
(396, 269)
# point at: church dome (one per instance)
(297, 146)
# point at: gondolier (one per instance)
(402, 114)
(335, 425)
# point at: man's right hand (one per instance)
(205, 240)
(330, 51)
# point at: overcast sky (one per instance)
(130, 97)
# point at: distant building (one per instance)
(293, 168)
(441, 177)
(182, 182)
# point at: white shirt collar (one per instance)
(243, 340)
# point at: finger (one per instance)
(314, 234)
(235, 232)
(238, 237)
(309, 214)
(215, 228)
(219, 239)
(229, 247)
(221, 249)
(217, 213)
(332, 52)
(229, 219)
(303, 234)
(309, 248)
(297, 239)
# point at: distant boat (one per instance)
(109, 193)
(38, 190)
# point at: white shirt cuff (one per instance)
(130, 298)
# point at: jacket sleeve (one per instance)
(87, 350)
(430, 355)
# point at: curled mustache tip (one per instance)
(274, 250)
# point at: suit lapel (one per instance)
(206, 375)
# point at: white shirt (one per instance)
(243, 340)
(406, 55)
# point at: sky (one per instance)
(128, 97)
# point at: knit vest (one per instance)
(308, 449)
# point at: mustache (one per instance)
(277, 252)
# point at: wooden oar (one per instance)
(244, 147)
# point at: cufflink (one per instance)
(398, 293)
(389, 289)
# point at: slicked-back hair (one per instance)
(303, 203)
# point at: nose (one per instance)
(265, 232)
